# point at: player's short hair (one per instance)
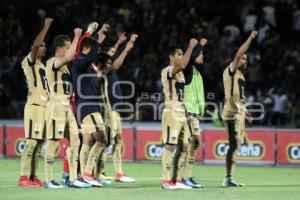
(102, 58)
(172, 49)
(86, 42)
(59, 41)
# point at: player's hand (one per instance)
(133, 37)
(122, 38)
(203, 41)
(48, 21)
(193, 43)
(253, 34)
(92, 27)
(104, 28)
(77, 32)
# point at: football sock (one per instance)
(100, 164)
(84, 154)
(189, 161)
(36, 159)
(231, 157)
(178, 163)
(73, 159)
(166, 164)
(117, 157)
(27, 157)
(94, 155)
(51, 149)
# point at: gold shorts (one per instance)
(92, 123)
(113, 126)
(174, 127)
(34, 122)
(61, 122)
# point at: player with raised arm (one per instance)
(194, 101)
(84, 75)
(234, 110)
(92, 27)
(114, 124)
(34, 112)
(175, 131)
(60, 118)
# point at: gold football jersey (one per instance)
(59, 81)
(35, 73)
(234, 88)
(173, 88)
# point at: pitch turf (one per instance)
(263, 183)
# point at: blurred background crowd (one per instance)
(274, 57)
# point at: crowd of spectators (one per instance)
(274, 57)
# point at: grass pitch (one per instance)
(262, 183)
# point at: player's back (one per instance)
(234, 90)
(35, 73)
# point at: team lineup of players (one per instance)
(82, 66)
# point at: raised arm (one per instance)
(186, 57)
(40, 38)
(122, 38)
(200, 58)
(70, 53)
(119, 61)
(242, 50)
(101, 33)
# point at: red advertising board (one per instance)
(149, 145)
(288, 148)
(1, 141)
(257, 146)
(16, 143)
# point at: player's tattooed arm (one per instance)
(102, 33)
(243, 49)
(122, 38)
(70, 53)
(200, 58)
(119, 61)
(186, 57)
(40, 38)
